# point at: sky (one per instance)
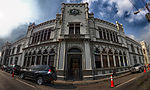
(15, 15)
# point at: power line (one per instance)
(136, 8)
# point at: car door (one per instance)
(28, 72)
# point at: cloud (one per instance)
(146, 34)
(131, 36)
(15, 12)
(121, 5)
(89, 2)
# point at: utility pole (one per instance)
(147, 15)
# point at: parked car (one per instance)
(13, 67)
(4, 67)
(40, 73)
(137, 68)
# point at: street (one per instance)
(137, 81)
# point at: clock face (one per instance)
(74, 12)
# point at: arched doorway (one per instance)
(74, 64)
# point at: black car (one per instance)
(13, 68)
(40, 73)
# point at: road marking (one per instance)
(26, 83)
(126, 82)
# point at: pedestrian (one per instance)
(114, 72)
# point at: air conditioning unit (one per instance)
(148, 16)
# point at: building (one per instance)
(79, 46)
(146, 52)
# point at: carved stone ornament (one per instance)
(74, 12)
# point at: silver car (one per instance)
(137, 68)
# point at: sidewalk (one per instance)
(84, 82)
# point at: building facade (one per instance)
(77, 44)
(146, 52)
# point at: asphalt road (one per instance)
(9, 83)
(140, 83)
(137, 81)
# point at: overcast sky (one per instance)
(15, 15)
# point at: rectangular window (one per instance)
(45, 34)
(100, 34)
(74, 28)
(49, 34)
(77, 28)
(104, 34)
(16, 60)
(108, 36)
(98, 61)
(71, 29)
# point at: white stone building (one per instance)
(146, 52)
(77, 44)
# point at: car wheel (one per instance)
(22, 76)
(40, 80)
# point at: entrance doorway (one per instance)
(74, 66)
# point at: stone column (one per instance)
(102, 34)
(114, 60)
(61, 57)
(30, 60)
(48, 58)
(26, 61)
(41, 59)
(35, 60)
(87, 56)
(108, 60)
(119, 60)
(123, 60)
(102, 60)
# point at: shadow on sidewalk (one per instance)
(61, 86)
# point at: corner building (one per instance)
(79, 46)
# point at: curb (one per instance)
(86, 82)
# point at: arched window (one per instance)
(25, 59)
(39, 52)
(116, 59)
(45, 51)
(74, 50)
(121, 58)
(29, 53)
(38, 61)
(125, 59)
(111, 58)
(97, 58)
(51, 57)
(45, 55)
(34, 53)
(104, 57)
